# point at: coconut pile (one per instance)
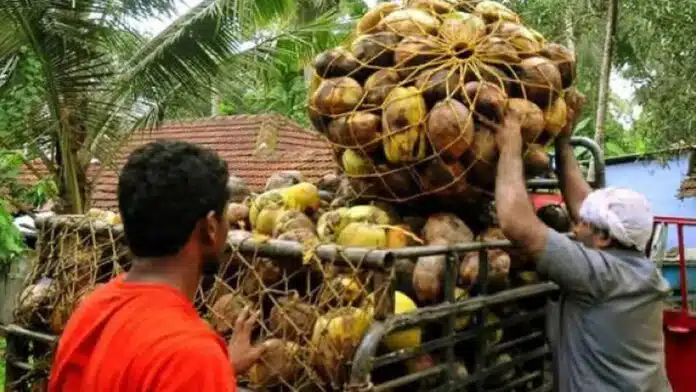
(313, 325)
(411, 104)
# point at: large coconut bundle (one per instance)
(410, 106)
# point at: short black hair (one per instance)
(555, 217)
(166, 187)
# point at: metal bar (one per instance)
(405, 380)
(675, 220)
(364, 357)
(511, 343)
(294, 251)
(20, 365)
(450, 322)
(13, 329)
(437, 344)
(432, 250)
(682, 270)
(481, 344)
(518, 382)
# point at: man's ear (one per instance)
(210, 228)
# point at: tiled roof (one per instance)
(236, 139)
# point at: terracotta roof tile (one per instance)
(235, 139)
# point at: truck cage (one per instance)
(369, 369)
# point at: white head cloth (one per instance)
(625, 214)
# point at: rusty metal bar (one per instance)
(13, 329)
(451, 321)
(405, 380)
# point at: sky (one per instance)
(620, 86)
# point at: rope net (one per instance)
(411, 104)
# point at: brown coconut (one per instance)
(536, 160)
(531, 118)
(496, 50)
(279, 363)
(487, 99)
(301, 235)
(342, 290)
(413, 52)
(450, 128)
(379, 85)
(483, 158)
(369, 22)
(329, 182)
(375, 50)
(261, 274)
(337, 95)
(462, 30)
(433, 6)
(443, 178)
(428, 276)
(410, 22)
(336, 62)
(359, 130)
(438, 84)
(238, 215)
(468, 270)
(540, 80)
(292, 319)
(447, 227)
(564, 59)
(225, 311)
(393, 183)
(292, 220)
(519, 36)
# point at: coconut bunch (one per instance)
(410, 106)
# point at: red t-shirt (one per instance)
(139, 337)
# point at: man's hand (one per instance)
(242, 353)
(509, 133)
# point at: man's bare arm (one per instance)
(573, 185)
(515, 212)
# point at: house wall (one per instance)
(659, 183)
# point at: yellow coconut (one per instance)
(364, 235)
(330, 224)
(402, 339)
(273, 197)
(302, 197)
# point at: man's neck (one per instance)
(172, 271)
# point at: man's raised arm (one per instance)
(572, 183)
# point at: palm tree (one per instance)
(101, 80)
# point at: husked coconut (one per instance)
(439, 83)
(379, 85)
(337, 95)
(564, 59)
(279, 363)
(450, 128)
(292, 319)
(335, 62)
(359, 130)
(448, 227)
(410, 22)
(225, 311)
(369, 22)
(375, 50)
(540, 80)
(486, 99)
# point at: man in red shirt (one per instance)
(140, 332)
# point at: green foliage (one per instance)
(11, 242)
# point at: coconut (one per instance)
(226, 310)
(356, 165)
(486, 98)
(531, 118)
(464, 320)
(556, 117)
(279, 363)
(447, 227)
(379, 84)
(536, 160)
(341, 290)
(496, 50)
(237, 215)
(484, 157)
(450, 128)
(488, 73)
(265, 222)
(444, 179)
(428, 275)
(337, 95)
(303, 196)
(564, 59)
(469, 270)
(394, 182)
(238, 189)
(375, 50)
(461, 29)
(292, 220)
(414, 52)
(364, 235)
(299, 235)
(492, 11)
(541, 80)
(265, 273)
(292, 319)
(519, 36)
(409, 23)
(369, 22)
(403, 125)
(335, 337)
(329, 182)
(433, 6)
(358, 130)
(401, 340)
(400, 236)
(438, 84)
(335, 62)
(368, 214)
(319, 121)
(283, 179)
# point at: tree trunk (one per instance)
(569, 28)
(605, 72)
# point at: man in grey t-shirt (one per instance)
(606, 329)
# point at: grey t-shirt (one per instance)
(606, 328)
